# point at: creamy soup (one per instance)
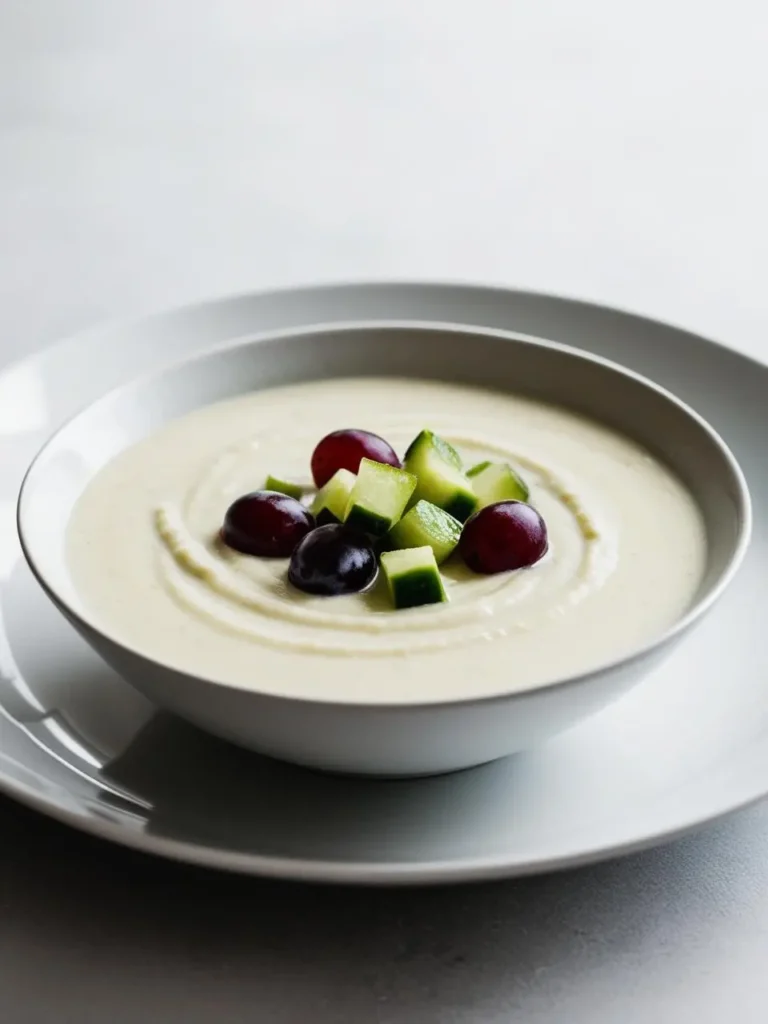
(626, 550)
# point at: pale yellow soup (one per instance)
(626, 555)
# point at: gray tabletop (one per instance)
(154, 152)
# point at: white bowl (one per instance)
(383, 739)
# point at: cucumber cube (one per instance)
(412, 577)
(332, 499)
(478, 468)
(426, 524)
(443, 447)
(497, 481)
(378, 498)
(276, 483)
(437, 466)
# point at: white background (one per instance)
(154, 152)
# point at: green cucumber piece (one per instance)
(276, 483)
(333, 497)
(443, 448)
(499, 482)
(378, 498)
(440, 478)
(412, 577)
(426, 524)
(478, 468)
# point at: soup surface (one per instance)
(627, 550)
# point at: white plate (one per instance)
(687, 746)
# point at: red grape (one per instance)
(266, 523)
(343, 449)
(504, 536)
(333, 560)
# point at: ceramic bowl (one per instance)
(383, 739)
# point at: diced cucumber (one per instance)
(478, 468)
(444, 449)
(426, 524)
(379, 497)
(331, 500)
(499, 482)
(413, 577)
(276, 483)
(437, 466)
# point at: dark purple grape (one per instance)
(504, 536)
(344, 449)
(266, 523)
(333, 560)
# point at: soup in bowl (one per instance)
(385, 549)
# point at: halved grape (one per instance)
(344, 449)
(504, 536)
(331, 561)
(266, 523)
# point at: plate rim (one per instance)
(472, 869)
(353, 873)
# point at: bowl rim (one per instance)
(696, 612)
